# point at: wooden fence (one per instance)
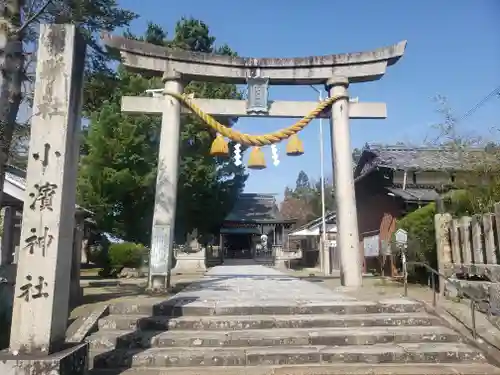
(468, 249)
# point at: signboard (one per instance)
(401, 237)
(160, 249)
(386, 248)
(371, 246)
(257, 101)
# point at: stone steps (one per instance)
(257, 356)
(177, 307)
(256, 321)
(270, 337)
(249, 322)
(318, 369)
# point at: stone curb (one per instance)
(491, 352)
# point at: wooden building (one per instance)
(391, 181)
(13, 200)
(253, 215)
(308, 238)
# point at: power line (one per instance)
(471, 111)
(483, 101)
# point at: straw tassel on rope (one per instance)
(294, 146)
(219, 147)
(256, 159)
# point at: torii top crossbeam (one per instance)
(357, 67)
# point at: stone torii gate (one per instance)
(177, 67)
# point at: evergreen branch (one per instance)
(34, 16)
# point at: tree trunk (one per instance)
(11, 76)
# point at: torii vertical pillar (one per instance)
(347, 222)
(160, 262)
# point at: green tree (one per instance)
(302, 187)
(302, 182)
(315, 200)
(118, 174)
(18, 43)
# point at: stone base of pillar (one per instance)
(158, 285)
(70, 361)
(280, 264)
(190, 262)
(282, 257)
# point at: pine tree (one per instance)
(118, 173)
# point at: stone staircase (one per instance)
(184, 336)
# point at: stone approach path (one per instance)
(258, 321)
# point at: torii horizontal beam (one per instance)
(357, 66)
(237, 108)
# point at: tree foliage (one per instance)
(118, 173)
(20, 21)
(304, 201)
(474, 190)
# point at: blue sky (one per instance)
(453, 50)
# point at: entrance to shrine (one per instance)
(177, 68)
(238, 246)
(40, 306)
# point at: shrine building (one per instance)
(252, 217)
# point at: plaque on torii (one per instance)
(335, 71)
(257, 95)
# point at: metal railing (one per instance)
(474, 301)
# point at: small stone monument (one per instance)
(191, 258)
(40, 312)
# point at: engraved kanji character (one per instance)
(33, 291)
(44, 194)
(42, 242)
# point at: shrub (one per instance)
(126, 254)
(421, 240)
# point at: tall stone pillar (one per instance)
(347, 220)
(160, 263)
(8, 248)
(41, 297)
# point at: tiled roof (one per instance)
(420, 158)
(255, 208)
(413, 194)
(15, 175)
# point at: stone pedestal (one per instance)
(281, 257)
(70, 361)
(40, 313)
(190, 262)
